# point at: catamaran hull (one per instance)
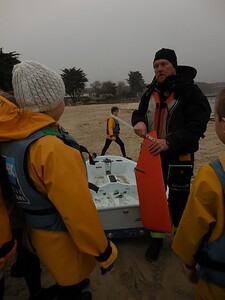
(122, 222)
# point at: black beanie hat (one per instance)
(168, 54)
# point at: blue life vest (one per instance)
(116, 129)
(211, 257)
(39, 212)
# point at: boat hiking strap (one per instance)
(93, 187)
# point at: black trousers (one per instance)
(118, 141)
(71, 292)
(30, 267)
(1, 288)
(177, 173)
(32, 271)
(32, 274)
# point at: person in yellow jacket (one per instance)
(7, 244)
(27, 264)
(58, 172)
(113, 131)
(200, 238)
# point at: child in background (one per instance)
(200, 238)
(112, 132)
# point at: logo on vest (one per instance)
(16, 187)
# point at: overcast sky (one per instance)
(109, 38)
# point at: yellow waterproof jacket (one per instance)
(111, 124)
(58, 171)
(7, 243)
(5, 229)
(6, 238)
(205, 209)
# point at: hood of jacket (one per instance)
(186, 73)
(16, 123)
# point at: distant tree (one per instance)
(103, 89)
(136, 82)
(75, 81)
(108, 88)
(7, 61)
(122, 89)
(96, 87)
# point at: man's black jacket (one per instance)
(188, 121)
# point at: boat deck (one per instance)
(116, 199)
(115, 178)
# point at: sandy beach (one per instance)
(132, 277)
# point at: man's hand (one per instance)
(140, 129)
(157, 146)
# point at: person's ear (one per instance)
(223, 124)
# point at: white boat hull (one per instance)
(116, 199)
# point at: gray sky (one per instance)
(109, 38)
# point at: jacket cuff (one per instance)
(104, 256)
(108, 257)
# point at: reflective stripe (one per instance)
(179, 177)
(156, 234)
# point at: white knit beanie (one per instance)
(37, 87)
